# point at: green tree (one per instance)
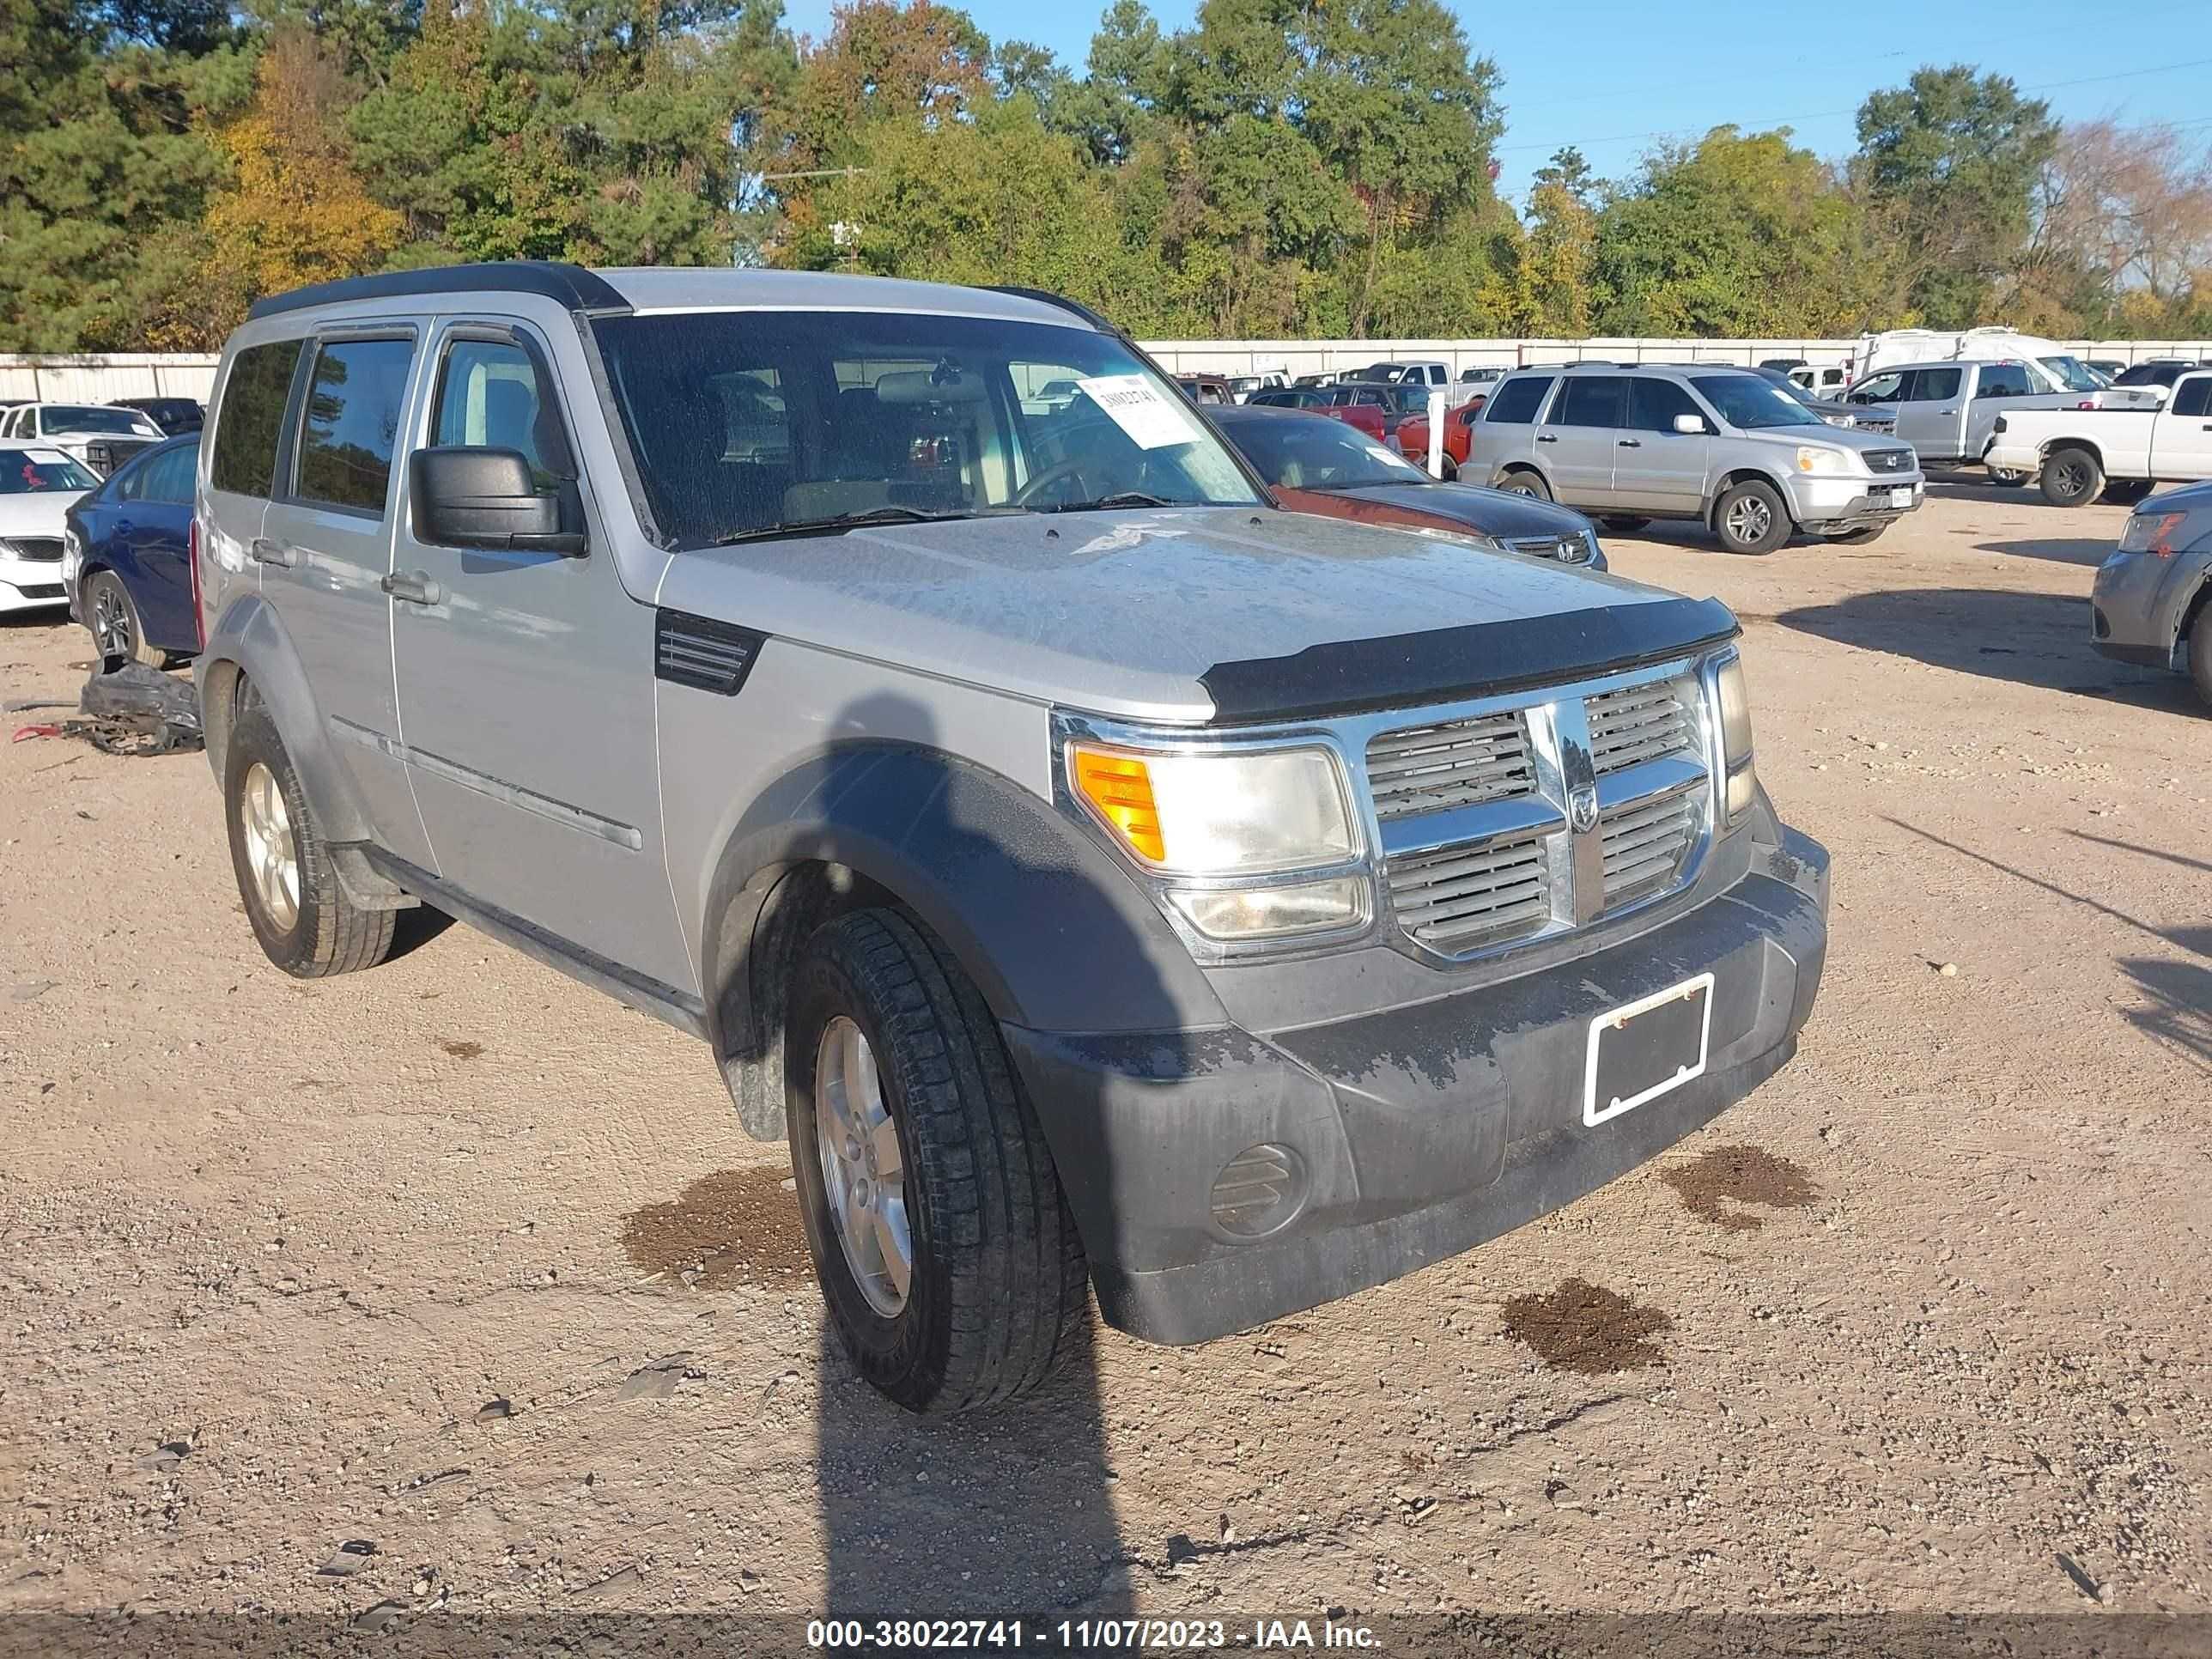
(1949, 163)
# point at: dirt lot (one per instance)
(462, 1261)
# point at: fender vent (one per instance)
(698, 651)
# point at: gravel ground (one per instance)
(463, 1265)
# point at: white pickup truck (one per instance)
(2076, 452)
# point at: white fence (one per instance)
(97, 379)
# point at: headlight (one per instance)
(1735, 736)
(1223, 814)
(2153, 533)
(1817, 457)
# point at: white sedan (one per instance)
(37, 487)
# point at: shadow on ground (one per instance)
(2086, 550)
(2030, 638)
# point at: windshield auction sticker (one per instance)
(1136, 405)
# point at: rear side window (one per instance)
(253, 413)
(2193, 396)
(169, 475)
(1592, 400)
(2003, 380)
(1931, 385)
(352, 422)
(1517, 401)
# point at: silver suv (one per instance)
(1724, 447)
(1094, 871)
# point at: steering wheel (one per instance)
(1046, 479)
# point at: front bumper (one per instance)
(1405, 1136)
(31, 585)
(1826, 506)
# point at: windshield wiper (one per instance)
(1120, 498)
(889, 513)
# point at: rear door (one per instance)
(1656, 469)
(1931, 416)
(159, 531)
(1578, 441)
(1505, 435)
(2181, 433)
(525, 677)
(1995, 387)
(326, 549)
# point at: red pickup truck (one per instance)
(1368, 407)
(1411, 438)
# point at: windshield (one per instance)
(1746, 402)
(24, 474)
(75, 418)
(745, 422)
(2073, 374)
(1313, 452)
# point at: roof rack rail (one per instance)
(572, 285)
(1046, 296)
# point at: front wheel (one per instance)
(1752, 518)
(944, 1245)
(2072, 478)
(2005, 478)
(2200, 655)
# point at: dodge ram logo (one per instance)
(1582, 808)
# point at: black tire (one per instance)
(2006, 479)
(2128, 491)
(1752, 518)
(1623, 524)
(111, 617)
(1523, 481)
(2200, 653)
(2072, 478)
(329, 934)
(1451, 470)
(998, 1294)
(1861, 536)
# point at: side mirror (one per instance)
(487, 498)
(1691, 426)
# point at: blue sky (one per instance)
(1606, 73)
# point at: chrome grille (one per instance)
(1431, 768)
(1888, 460)
(1567, 550)
(1645, 844)
(1455, 898)
(1639, 723)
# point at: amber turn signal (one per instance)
(1120, 789)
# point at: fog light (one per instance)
(1257, 913)
(1260, 1191)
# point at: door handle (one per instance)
(1631, 443)
(1546, 438)
(1947, 412)
(413, 586)
(264, 551)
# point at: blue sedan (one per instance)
(127, 556)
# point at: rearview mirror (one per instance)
(467, 497)
(1690, 426)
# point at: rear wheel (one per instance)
(2200, 655)
(306, 924)
(2127, 491)
(1623, 524)
(2005, 478)
(113, 619)
(1451, 470)
(1750, 518)
(2072, 478)
(1526, 484)
(945, 1247)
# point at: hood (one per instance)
(1190, 614)
(37, 512)
(1499, 512)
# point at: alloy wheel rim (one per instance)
(1749, 520)
(863, 1173)
(2070, 480)
(272, 857)
(110, 624)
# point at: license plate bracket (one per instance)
(1901, 496)
(1643, 1050)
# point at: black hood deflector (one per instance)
(1451, 665)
